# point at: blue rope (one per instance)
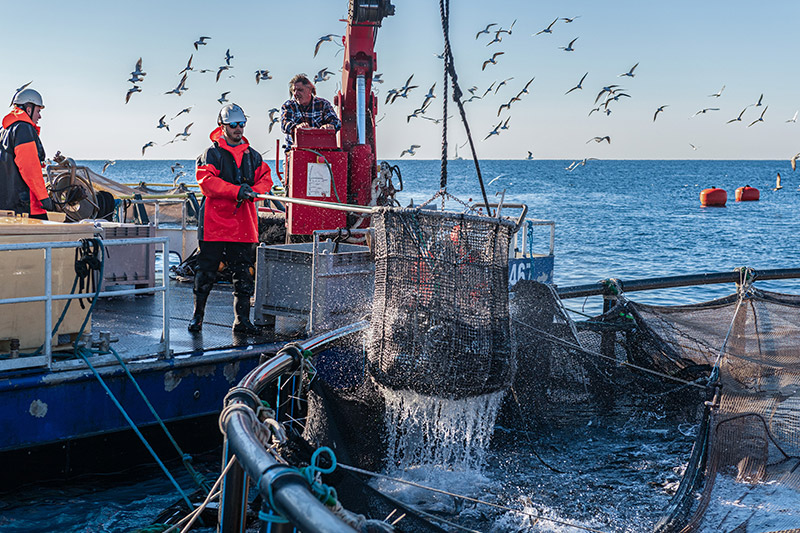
(197, 477)
(81, 353)
(323, 492)
(271, 518)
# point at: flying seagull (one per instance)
(262, 75)
(326, 38)
(525, 89)
(778, 183)
(793, 161)
(162, 124)
(502, 83)
(137, 71)
(228, 57)
(759, 119)
(492, 60)
(719, 93)
(569, 48)
(580, 84)
(794, 118)
(567, 20)
(182, 111)
(222, 69)
(548, 29)
(508, 31)
(188, 65)
(659, 110)
(224, 97)
(485, 30)
(495, 131)
(201, 42)
(107, 164)
(758, 104)
(185, 133)
(146, 146)
(739, 118)
(134, 89)
(323, 75)
(179, 90)
(410, 151)
(530, 155)
(705, 110)
(599, 139)
(630, 72)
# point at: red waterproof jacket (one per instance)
(21, 159)
(221, 170)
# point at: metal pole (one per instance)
(165, 301)
(316, 203)
(48, 312)
(361, 109)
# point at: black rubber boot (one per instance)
(242, 324)
(203, 281)
(196, 323)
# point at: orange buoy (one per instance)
(713, 197)
(747, 194)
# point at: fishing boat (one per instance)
(312, 405)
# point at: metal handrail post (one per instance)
(165, 297)
(48, 312)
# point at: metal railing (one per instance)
(46, 359)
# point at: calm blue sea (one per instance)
(621, 219)
(614, 219)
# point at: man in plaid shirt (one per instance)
(305, 110)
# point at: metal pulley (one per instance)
(370, 11)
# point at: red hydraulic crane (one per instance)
(341, 167)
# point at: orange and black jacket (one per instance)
(21, 158)
(221, 171)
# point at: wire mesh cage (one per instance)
(440, 320)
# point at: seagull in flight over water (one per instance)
(200, 41)
(485, 30)
(492, 60)
(162, 124)
(599, 139)
(759, 119)
(630, 72)
(793, 161)
(107, 164)
(569, 48)
(410, 151)
(548, 29)
(580, 84)
(737, 119)
(778, 183)
(659, 110)
(146, 146)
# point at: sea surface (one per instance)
(613, 219)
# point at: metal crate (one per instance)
(129, 265)
(318, 285)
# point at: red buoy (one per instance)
(713, 197)
(747, 194)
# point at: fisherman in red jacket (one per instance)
(22, 187)
(230, 174)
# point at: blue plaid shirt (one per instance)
(318, 113)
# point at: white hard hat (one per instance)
(231, 113)
(28, 96)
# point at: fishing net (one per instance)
(440, 311)
(730, 365)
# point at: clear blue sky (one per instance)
(80, 59)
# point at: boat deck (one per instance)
(136, 321)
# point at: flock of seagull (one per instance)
(608, 96)
(138, 75)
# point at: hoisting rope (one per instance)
(449, 68)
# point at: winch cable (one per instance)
(467, 498)
(449, 68)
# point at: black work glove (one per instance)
(47, 204)
(245, 193)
